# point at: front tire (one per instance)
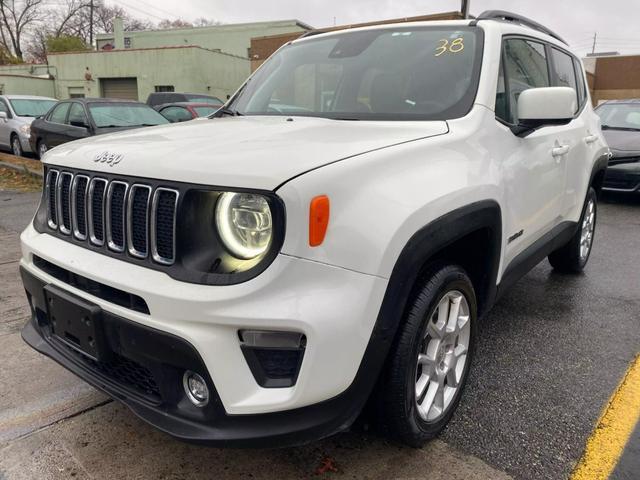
(16, 146)
(573, 257)
(42, 149)
(429, 362)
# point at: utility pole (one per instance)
(91, 24)
(595, 36)
(464, 8)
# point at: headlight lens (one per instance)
(244, 223)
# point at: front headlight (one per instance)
(25, 129)
(244, 223)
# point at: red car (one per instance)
(185, 111)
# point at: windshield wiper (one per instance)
(227, 111)
(613, 127)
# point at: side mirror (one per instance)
(541, 107)
(75, 123)
(3, 116)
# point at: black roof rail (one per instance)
(514, 17)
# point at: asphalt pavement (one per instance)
(549, 356)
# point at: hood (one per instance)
(251, 152)
(623, 143)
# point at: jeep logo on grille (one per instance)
(109, 158)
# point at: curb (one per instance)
(21, 169)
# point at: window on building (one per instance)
(165, 88)
(59, 113)
(127, 42)
(565, 76)
(525, 66)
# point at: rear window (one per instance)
(205, 111)
(211, 100)
(112, 115)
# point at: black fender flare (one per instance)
(424, 245)
(599, 166)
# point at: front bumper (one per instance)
(622, 177)
(26, 143)
(334, 308)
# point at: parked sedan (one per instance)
(83, 117)
(185, 111)
(160, 98)
(621, 128)
(16, 114)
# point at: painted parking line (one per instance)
(613, 430)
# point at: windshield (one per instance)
(124, 115)
(205, 111)
(620, 115)
(31, 107)
(210, 100)
(405, 73)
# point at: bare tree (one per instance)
(15, 18)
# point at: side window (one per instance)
(564, 76)
(525, 66)
(582, 91)
(77, 115)
(176, 114)
(59, 114)
(501, 95)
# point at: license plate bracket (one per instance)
(76, 322)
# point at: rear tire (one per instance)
(429, 362)
(573, 257)
(16, 146)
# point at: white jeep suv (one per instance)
(332, 236)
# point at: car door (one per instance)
(582, 137)
(78, 123)
(533, 166)
(55, 130)
(5, 124)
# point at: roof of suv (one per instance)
(103, 100)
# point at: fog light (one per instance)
(196, 388)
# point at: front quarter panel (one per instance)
(379, 200)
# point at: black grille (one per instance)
(165, 206)
(97, 210)
(97, 289)
(122, 370)
(116, 214)
(132, 219)
(81, 205)
(65, 200)
(51, 190)
(139, 219)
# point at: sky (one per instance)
(615, 21)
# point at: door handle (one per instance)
(559, 151)
(589, 139)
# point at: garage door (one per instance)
(125, 88)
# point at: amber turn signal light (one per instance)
(318, 219)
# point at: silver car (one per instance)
(16, 114)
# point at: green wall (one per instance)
(13, 84)
(188, 69)
(234, 39)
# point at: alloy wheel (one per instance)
(588, 227)
(442, 357)
(16, 148)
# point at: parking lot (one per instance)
(550, 355)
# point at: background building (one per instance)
(613, 77)
(212, 60)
